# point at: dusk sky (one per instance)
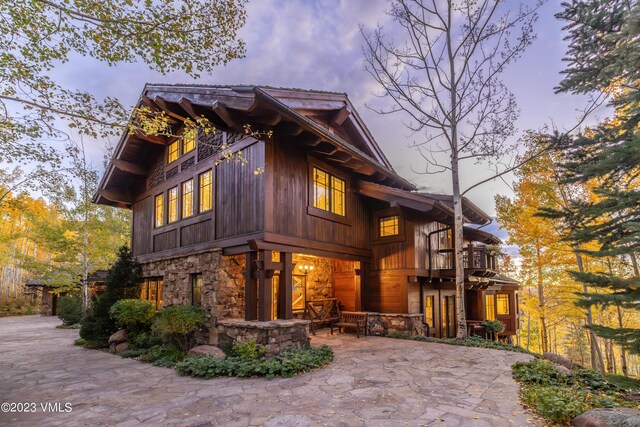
(318, 45)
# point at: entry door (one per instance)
(448, 311)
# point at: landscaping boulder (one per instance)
(608, 417)
(121, 347)
(560, 360)
(207, 350)
(118, 337)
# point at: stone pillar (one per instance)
(251, 287)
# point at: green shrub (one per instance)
(177, 325)
(538, 372)
(472, 341)
(248, 350)
(70, 310)
(88, 343)
(133, 314)
(144, 340)
(245, 362)
(593, 380)
(162, 355)
(123, 281)
(559, 405)
(132, 353)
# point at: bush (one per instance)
(248, 350)
(177, 325)
(493, 328)
(70, 310)
(244, 361)
(144, 340)
(472, 341)
(133, 314)
(559, 405)
(593, 380)
(538, 372)
(162, 355)
(123, 281)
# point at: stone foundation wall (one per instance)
(380, 324)
(276, 335)
(222, 288)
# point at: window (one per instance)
(298, 293)
(152, 290)
(502, 301)
(159, 213)
(429, 314)
(445, 239)
(189, 138)
(173, 204)
(490, 307)
(196, 289)
(205, 194)
(174, 152)
(389, 226)
(187, 198)
(329, 192)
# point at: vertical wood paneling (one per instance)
(142, 226)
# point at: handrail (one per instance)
(479, 257)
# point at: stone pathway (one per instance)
(372, 382)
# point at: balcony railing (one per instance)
(474, 257)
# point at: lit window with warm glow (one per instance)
(389, 226)
(189, 140)
(187, 198)
(429, 313)
(172, 203)
(159, 213)
(174, 152)
(502, 301)
(490, 307)
(205, 193)
(329, 192)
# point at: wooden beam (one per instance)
(331, 152)
(115, 196)
(220, 109)
(285, 287)
(154, 139)
(250, 287)
(129, 167)
(270, 118)
(265, 290)
(341, 157)
(162, 104)
(188, 107)
(340, 116)
(288, 129)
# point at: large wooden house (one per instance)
(314, 211)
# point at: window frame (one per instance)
(177, 204)
(194, 141)
(502, 296)
(194, 279)
(331, 173)
(201, 192)
(486, 307)
(431, 298)
(158, 290)
(177, 144)
(183, 202)
(162, 216)
(395, 226)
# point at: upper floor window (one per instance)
(502, 301)
(329, 192)
(445, 239)
(205, 193)
(187, 198)
(159, 212)
(389, 226)
(174, 152)
(189, 140)
(173, 204)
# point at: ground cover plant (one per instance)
(248, 359)
(559, 398)
(472, 341)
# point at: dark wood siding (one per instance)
(142, 226)
(290, 202)
(199, 232)
(165, 240)
(239, 194)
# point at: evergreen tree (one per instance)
(123, 281)
(603, 57)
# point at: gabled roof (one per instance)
(437, 206)
(325, 122)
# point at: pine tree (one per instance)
(123, 281)
(603, 57)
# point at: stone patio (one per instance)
(373, 381)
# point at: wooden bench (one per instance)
(322, 312)
(352, 320)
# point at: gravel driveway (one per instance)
(372, 382)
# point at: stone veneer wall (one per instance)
(380, 324)
(319, 280)
(222, 289)
(276, 335)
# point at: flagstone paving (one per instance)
(372, 382)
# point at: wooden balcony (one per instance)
(478, 261)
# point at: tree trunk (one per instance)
(596, 355)
(541, 301)
(459, 253)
